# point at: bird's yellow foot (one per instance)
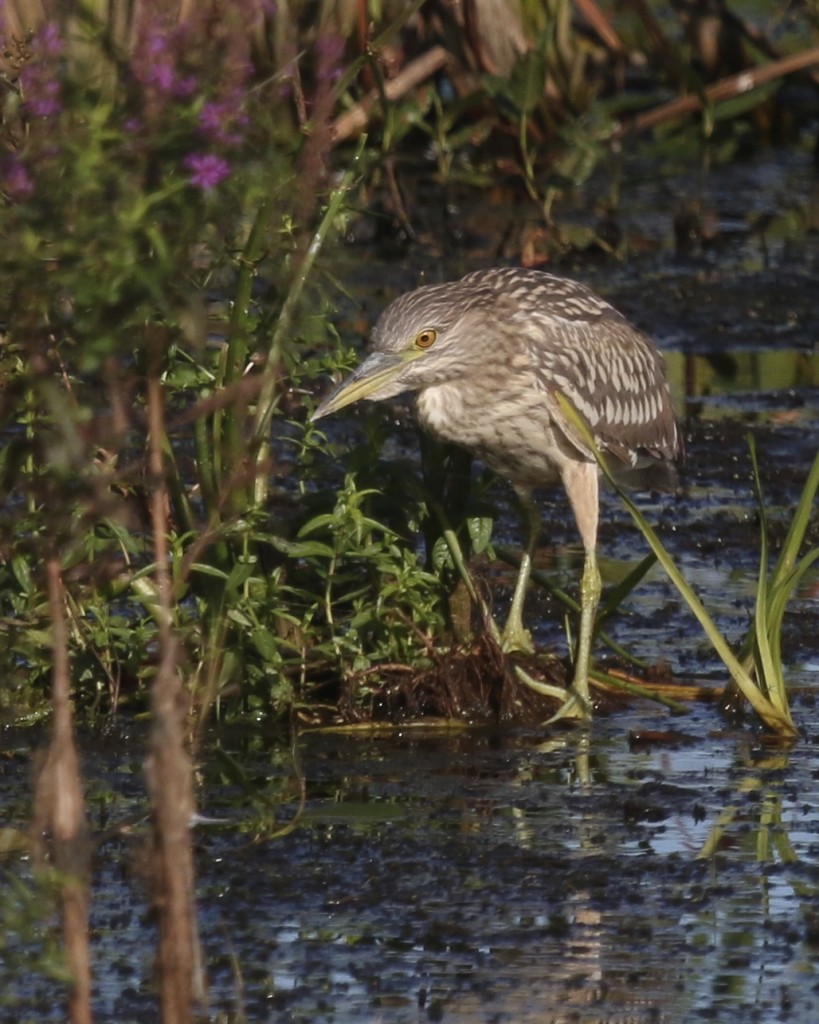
(574, 705)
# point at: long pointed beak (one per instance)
(376, 378)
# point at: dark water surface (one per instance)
(485, 876)
(534, 877)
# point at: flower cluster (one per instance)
(222, 121)
(207, 170)
(40, 80)
(157, 64)
(179, 105)
(199, 66)
(15, 180)
(30, 137)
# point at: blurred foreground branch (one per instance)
(59, 810)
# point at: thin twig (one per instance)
(60, 809)
(354, 120)
(169, 770)
(725, 89)
(267, 395)
(602, 26)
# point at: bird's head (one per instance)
(426, 337)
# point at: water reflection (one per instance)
(711, 386)
(530, 879)
(483, 876)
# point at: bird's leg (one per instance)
(515, 636)
(581, 483)
(580, 480)
(590, 588)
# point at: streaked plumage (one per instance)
(488, 355)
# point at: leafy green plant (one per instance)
(761, 653)
(162, 221)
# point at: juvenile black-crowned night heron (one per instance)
(489, 356)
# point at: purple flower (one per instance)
(15, 180)
(330, 53)
(158, 74)
(48, 41)
(187, 86)
(42, 97)
(40, 76)
(154, 59)
(161, 76)
(157, 65)
(207, 170)
(220, 119)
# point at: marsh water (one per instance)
(512, 875)
(651, 868)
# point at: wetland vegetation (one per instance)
(203, 207)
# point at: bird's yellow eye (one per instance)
(426, 339)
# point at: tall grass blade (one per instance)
(763, 646)
(615, 597)
(267, 396)
(768, 672)
(799, 524)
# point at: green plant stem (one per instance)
(29, 464)
(268, 396)
(639, 691)
(526, 158)
(230, 435)
(772, 716)
(458, 560)
(205, 470)
(177, 492)
(387, 36)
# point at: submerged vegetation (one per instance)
(176, 183)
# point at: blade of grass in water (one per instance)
(763, 646)
(268, 396)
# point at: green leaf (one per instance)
(442, 555)
(209, 570)
(22, 573)
(266, 643)
(302, 549)
(480, 532)
(768, 667)
(528, 80)
(737, 106)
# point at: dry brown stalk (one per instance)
(352, 121)
(169, 769)
(725, 89)
(602, 26)
(59, 823)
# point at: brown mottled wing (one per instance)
(611, 372)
